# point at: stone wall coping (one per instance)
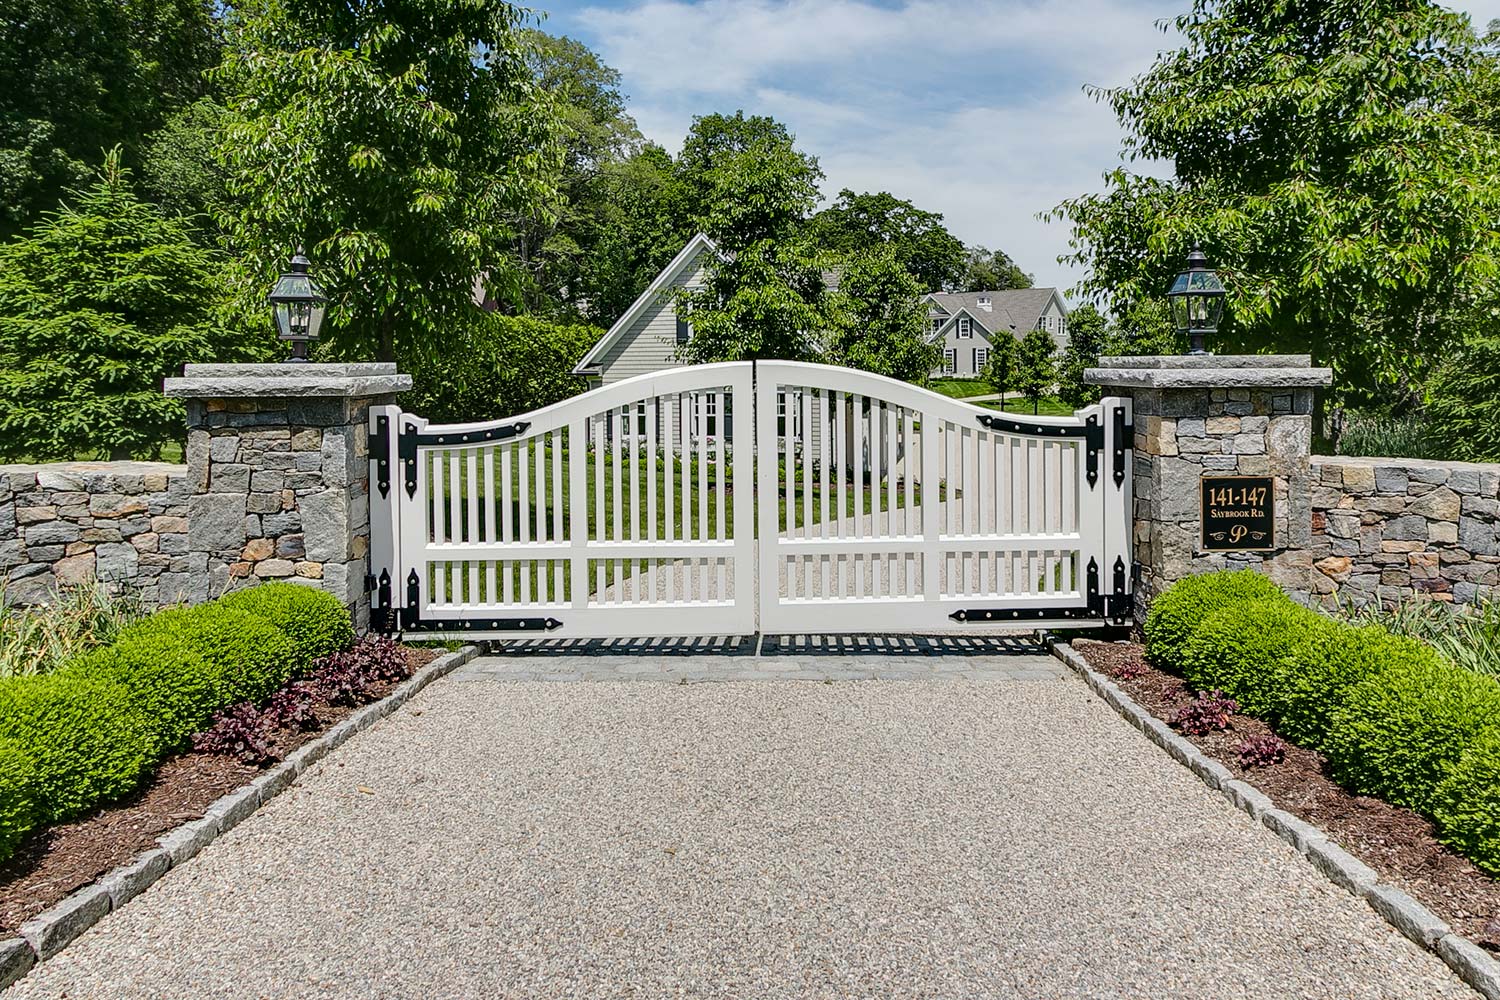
(125, 468)
(1402, 463)
(1182, 377)
(1207, 361)
(287, 381)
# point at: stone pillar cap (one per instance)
(283, 381)
(1229, 371)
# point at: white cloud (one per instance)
(972, 109)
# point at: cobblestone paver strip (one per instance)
(972, 829)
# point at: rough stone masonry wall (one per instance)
(1183, 434)
(280, 492)
(123, 523)
(1389, 529)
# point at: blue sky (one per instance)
(972, 109)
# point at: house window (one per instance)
(950, 361)
(981, 358)
(937, 323)
(796, 415)
(965, 327)
(684, 326)
(706, 407)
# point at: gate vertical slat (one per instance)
(578, 513)
(471, 475)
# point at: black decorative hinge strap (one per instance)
(1124, 440)
(489, 625)
(1094, 443)
(1117, 603)
(380, 448)
(1095, 599)
(382, 615)
(407, 445)
(411, 613)
(1018, 614)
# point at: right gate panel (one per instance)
(889, 508)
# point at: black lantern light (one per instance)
(1197, 298)
(299, 305)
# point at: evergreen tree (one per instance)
(98, 303)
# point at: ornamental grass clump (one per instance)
(1176, 612)
(1245, 649)
(39, 639)
(1401, 729)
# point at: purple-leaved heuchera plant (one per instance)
(1260, 751)
(238, 731)
(1207, 713)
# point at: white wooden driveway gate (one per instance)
(771, 496)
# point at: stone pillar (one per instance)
(1245, 415)
(278, 469)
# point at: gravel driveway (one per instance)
(978, 827)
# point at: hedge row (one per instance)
(93, 730)
(1392, 716)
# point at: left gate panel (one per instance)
(611, 513)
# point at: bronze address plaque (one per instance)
(1239, 513)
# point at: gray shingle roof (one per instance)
(1018, 307)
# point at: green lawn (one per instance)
(960, 388)
(1047, 406)
(541, 523)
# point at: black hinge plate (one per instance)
(1094, 442)
(967, 615)
(1117, 602)
(380, 448)
(407, 445)
(486, 625)
(1124, 441)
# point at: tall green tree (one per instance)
(745, 184)
(880, 321)
(770, 300)
(1035, 366)
(743, 179)
(1088, 333)
(398, 143)
(918, 240)
(557, 243)
(1323, 159)
(98, 303)
(641, 226)
(79, 77)
(1000, 369)
(988, 271)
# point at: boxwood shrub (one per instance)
(18, 796)
(165, 677)
(88, 741)
(1323, 664)
(315, 620)
(246, 656)
(1245, 650)
(94, 729)
(1466, 805)
(1400, 729)
(1178, 611)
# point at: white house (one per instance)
(968, 322)
(645, 339)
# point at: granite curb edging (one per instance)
(1469, 962)
(55, 928)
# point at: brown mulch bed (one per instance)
(1399, 844)
(53, 863)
